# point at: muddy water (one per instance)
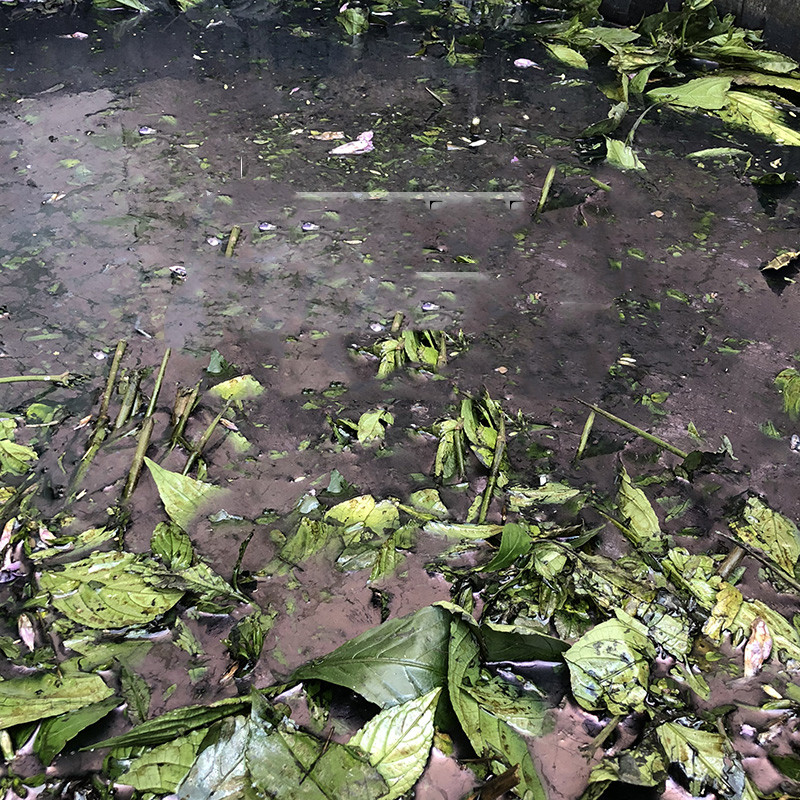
(158, 138)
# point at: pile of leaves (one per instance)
(636, 641)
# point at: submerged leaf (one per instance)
(243, 387)
(162, 768)
(398, 742)
(34, 697)
(788, 381)
(376, 516)
(758, 525)
(182, 496)
(391, 664)
(55, 732)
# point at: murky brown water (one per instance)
(663, 267)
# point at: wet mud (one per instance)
(139, 149)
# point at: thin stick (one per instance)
(499, 450)
(434, 95)
(127, 401)
(112, 377)
(587, 429)
(761, 556)
(159, 380)
(138, 457)
(638, 431)
(397, 322)
(232, 239)
(203, 440)
(62, 378)
(188, 407)
(548, 182)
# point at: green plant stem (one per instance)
(548, 182)
(112, 377)
(159, 380)
(638, 431)
(236, 231)
(203, 440)
(499, 451)
(762, 557)
(62, 378)
(138, 458)
(587, 429)
(128, 400)
(188, 407)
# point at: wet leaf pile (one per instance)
(542, 616)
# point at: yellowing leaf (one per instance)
(398, 742)
(769, 531)
(638, 514)
(243, 387)
(364, 510)
(707, 93)
(181, 495)
(372, 425)
(760, 116)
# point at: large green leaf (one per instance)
(162, 768)
(398, 741)
(566, 55)
(610, 666)
(391, 664)
(638, 514)
(759, 115)
(515, 542)
(108, 590)
(183, 497)
(55, 732)
(707, 93)
(33, 697)
(175, 723)
(515, 643)
(372, 426)
(490, 736)
(707, 759)
(770, 531)
(14, 458)
(172, 545)
(365, 510)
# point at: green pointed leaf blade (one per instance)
(183, 497)
(35, 697)
(162, 768)
(552, 493)
(515, 542)
(638, 515)
(372, 426)
(398, 741)
(710, 93)
(621, 155)
(172, 545)
(610, 666)
(566, 55)
(461, 530)
(108, 590)
(56, 732)
(398, 661)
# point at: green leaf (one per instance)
(717, 152)
(162, 768)
(429, 502)
(34, 697)
(552, 493)
(175, 723)
(757, 524)
(73, 546)
(515, 542)
(378, 517)
(136, 693)
(621, 155)
(372, 425)
(709, 93)
(398, 661)
(108, 590)
(15, 458)
(55, 732)
(243, 387)
(172, 545)
(788, 765)
(515, 643)
(759, 115)
(182, 496)
(461, 530)
(490, 736)
(788, 382)
(707, 759)
(398, 742)
(354, 21)
(566, 55)
(202, 581)
(638, 515)
(610, 666)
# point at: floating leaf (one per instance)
(372, 426)
(461, 530)
(239, 389)
(782, 261)
(551, 493)
(515, 542)
(35, 697)
(621, 155)
(398, 742)
(610, 666)
(172, 545)
(638, 514)
(758, 525)
(14, 458)
(398, 661)
(566, 55)
(788, 381)
(707, 760)
(108, 590)
(365, 510)
(183, 497)
(707, 93)
(55, 732)
(428, 501)
(759, 115)
(354, 21)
